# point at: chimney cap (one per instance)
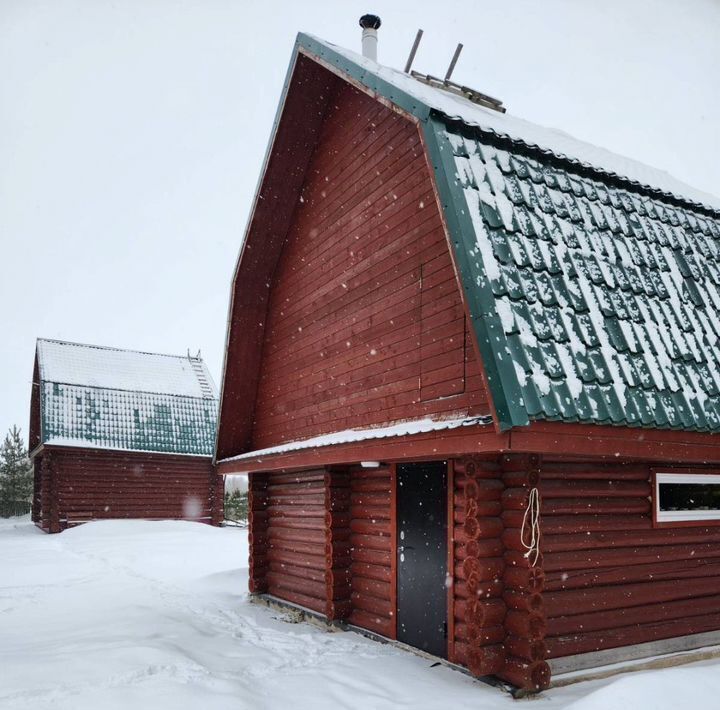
(370, 22)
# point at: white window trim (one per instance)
(675, 516)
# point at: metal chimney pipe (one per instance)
(370, 25)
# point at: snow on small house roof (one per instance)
(113, 368)
(101, 397)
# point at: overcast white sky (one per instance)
(132, 135)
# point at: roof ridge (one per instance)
(189, 358)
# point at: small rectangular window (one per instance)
(686, 497)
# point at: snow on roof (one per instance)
(107, 398)
(555, 141)
(113, 368)
(603, 303)
(348, 436)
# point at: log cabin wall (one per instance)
(523, 576)
(42, 491)
(477, 609)
(258, 541)
(611, 579)
(373, 549)
(80, 485)
(293, 523)
(338, 604)
(365, 324)
(37, 492)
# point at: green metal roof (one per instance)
(593, 281)
(95, 397)
(596, 303)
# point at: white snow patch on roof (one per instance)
(490, 264)
(505, 312)
(541, 380)
(348, 436)
(112, 368)
(572, 380)
(521, 375)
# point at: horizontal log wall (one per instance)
(258, 533)
(45, 511)
(372, 550)
(101, 485)
(338, 604)
(525, 622)
(365, 323)
(290, 518)
(611, 579)
(477, 610)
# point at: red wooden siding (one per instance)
(611, 579)
(372, 521)
(365, 323)
(78, 485)
(295, 530)
(309, 92)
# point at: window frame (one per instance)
(683, 518)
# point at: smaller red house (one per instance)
(121, 434)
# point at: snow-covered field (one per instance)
(148, 615)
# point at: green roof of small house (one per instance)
(593, 281)
(99, 397)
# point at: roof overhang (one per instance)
(424, 439)
(558, 440)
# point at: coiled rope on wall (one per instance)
(530, 530)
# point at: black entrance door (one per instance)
(422, 556)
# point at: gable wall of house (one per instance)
(365, 324)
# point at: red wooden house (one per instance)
(472, 369)
(121, 434)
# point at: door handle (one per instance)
(402, 548)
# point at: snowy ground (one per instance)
(154, 615)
